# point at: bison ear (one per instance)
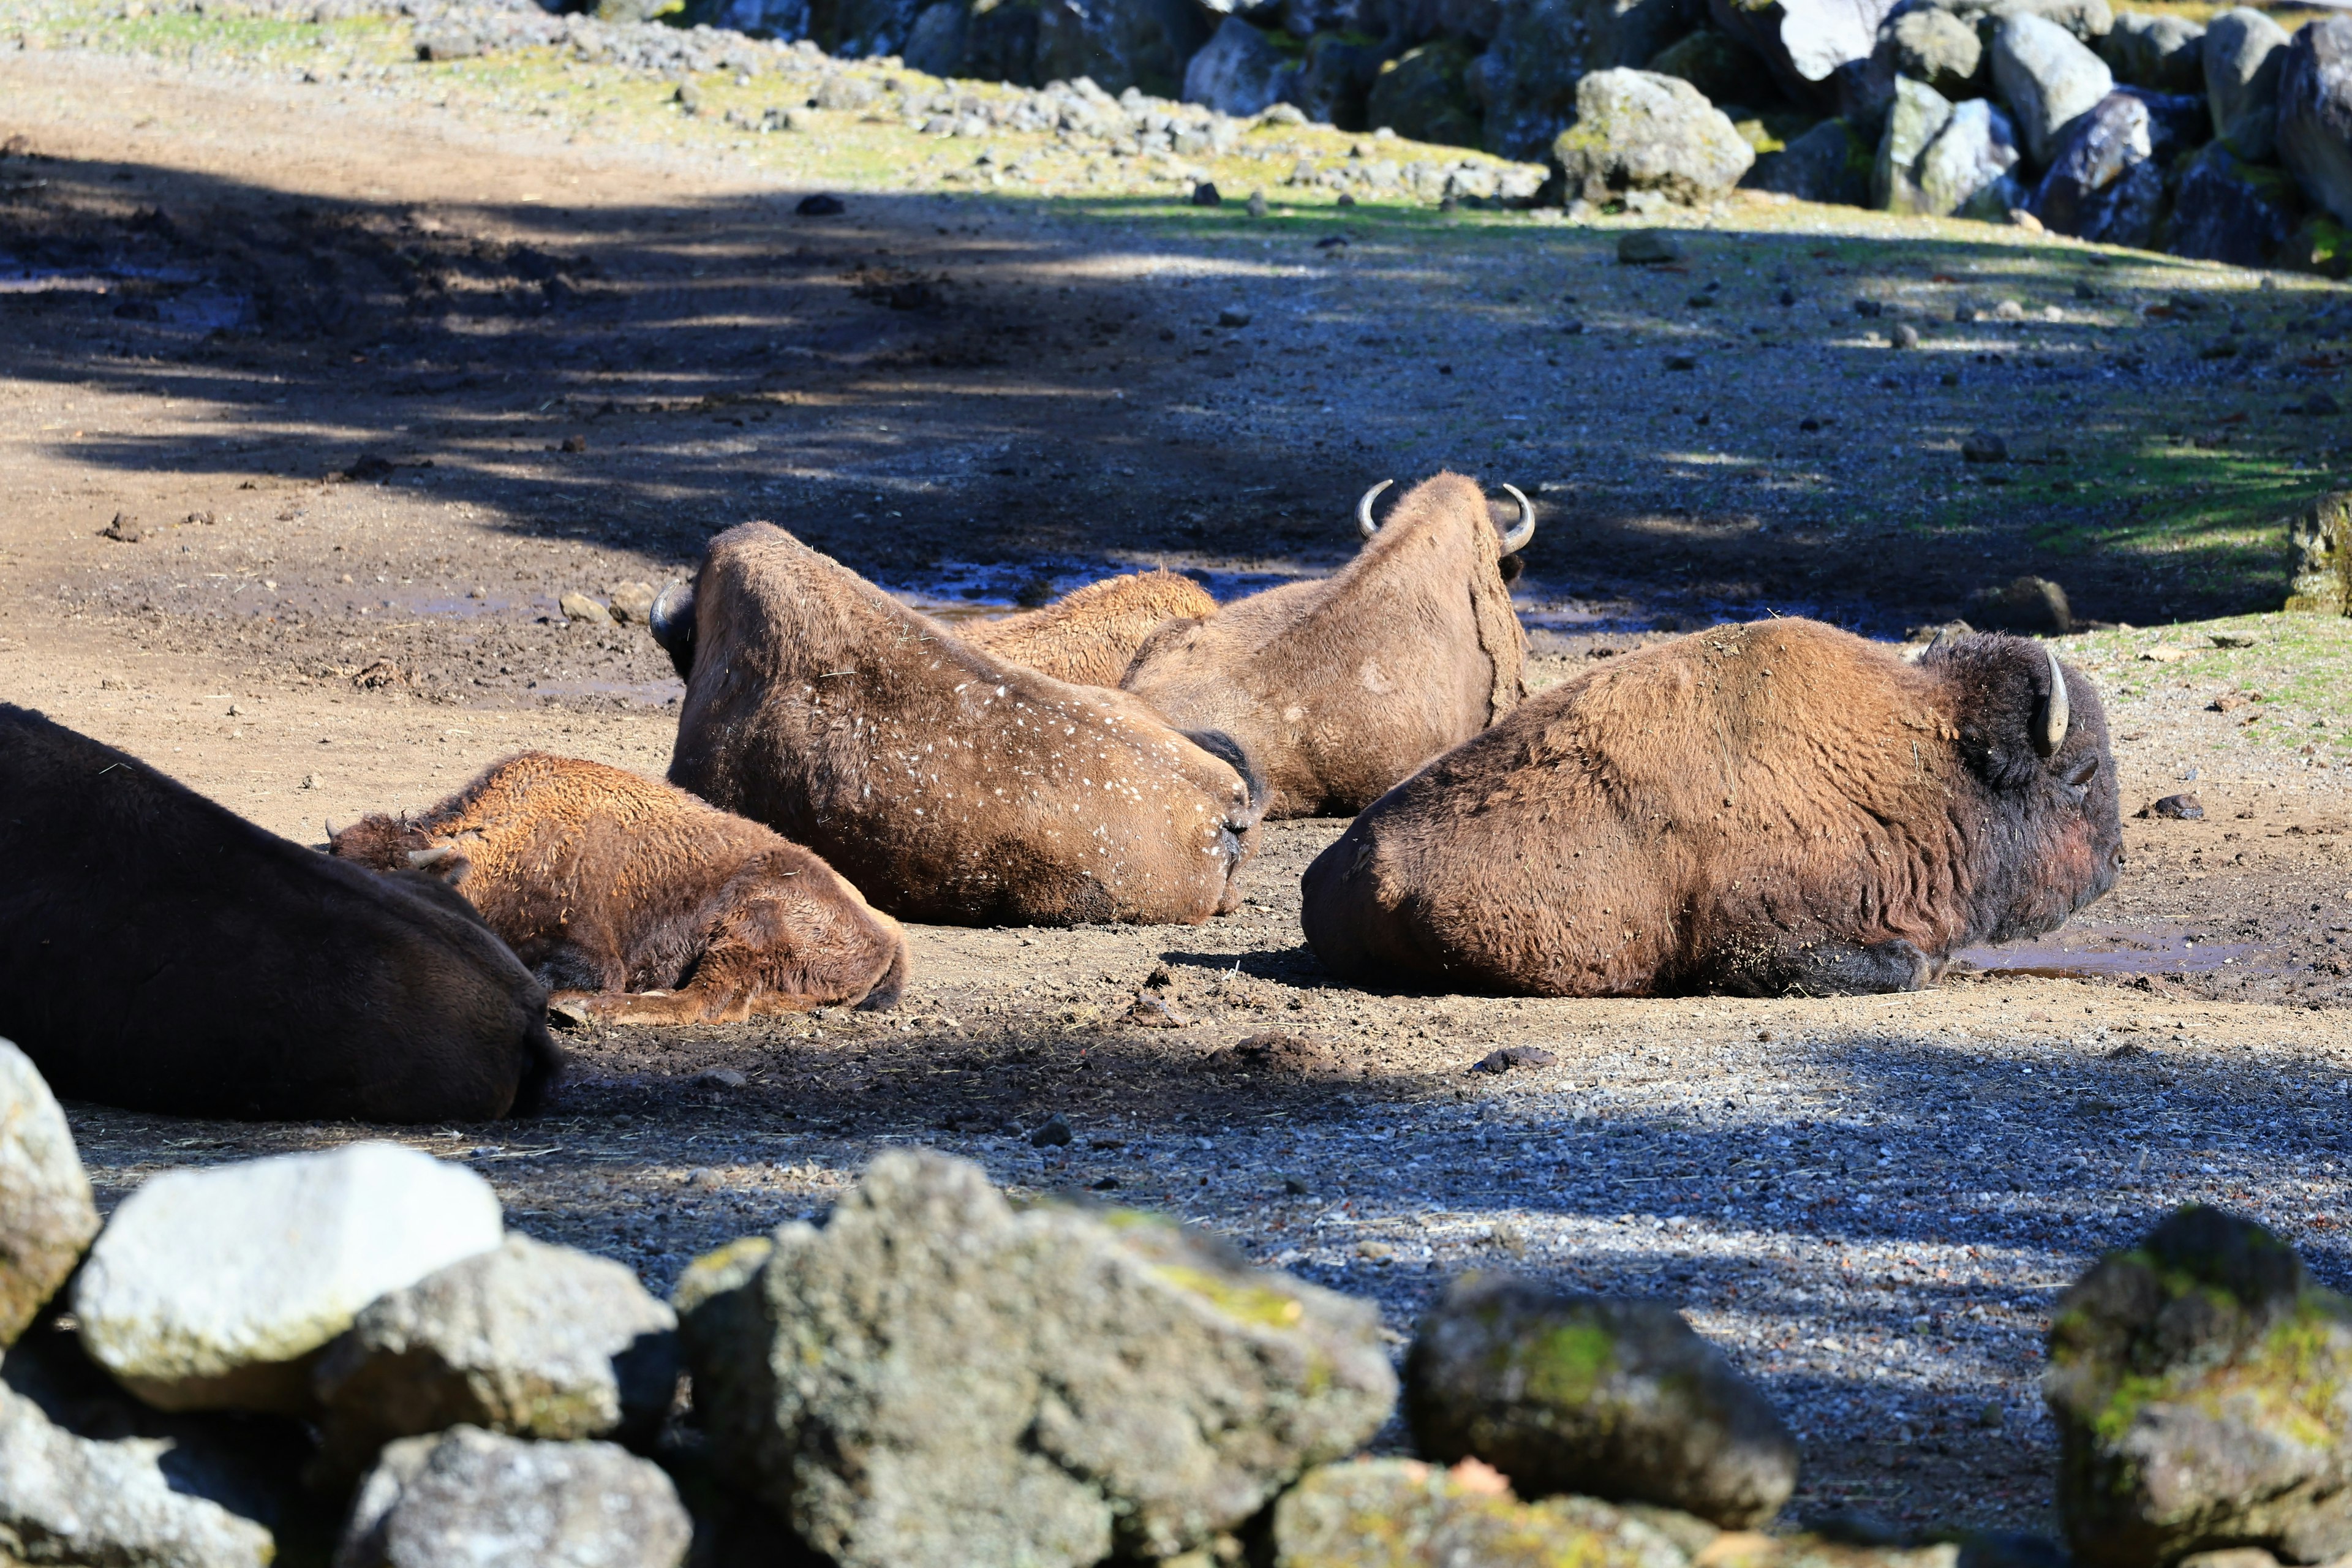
(673, 625)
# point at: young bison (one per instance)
(639, 901)
(1087, 635)
(1756, 809)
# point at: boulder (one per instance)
(2319, 245)
(935, 1379)
(1827, 163)
(489, 1500)
(1542, 48)
(1421, 94)
(531, 1340)
(1918, 115)
(1725, 70)
(1637, 131)
(1807, 44)
(2087, 20)
(2159, 51)
(936, 44)
(2033, 606)
(2047, 78)
(1400, 1513)
(1119, 44)
(1000, 44)
(1305, 18)
(2106, 183)
(1238, 71)
(2320, 557)
(2198, 1384)
(2227, 209)
(1617, 1399)
(1936, 47)
(1336, 78)
(47, 1215)
(215, 1287)
(1967, 170)
(2243, 53)
(2314, 113)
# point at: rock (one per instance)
(47, 1215)
(1238, 71)
(939, 38)
(1968, 170)
(1809, 45)
(631, 603)
(2179, 807)
(213, 1288)
(2244, 52)
(448, 44)
(1618, 1399)
(1648, 247)
(1421, 94)
(1054, 1135)
(1936, 47)
(1206, 195)
(2226, 209)
(531, 1340)
(1637, 131)
(1338, 71)
(2198, 1385)
(1150, 1012)
(2320, 245)
(2159, 51)
(2106, 183)
(577, 607)
(1508, 1056)
(1723, 69)
(1119, 44)
(2047, 78)
(124, 530)
(935, 1379)
(1233, 316)
(1400, 1513)
(1525, 82)
(2035, 606)
(1903, 335)
(2314, 113)
(1919, 116)
(819, 205)
(486, 1501)
(1827, 163)
(2320, 557)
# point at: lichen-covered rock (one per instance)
(934, 1379)
(1119, 44)
(2227, 209)
(530, 1339)
(2320, 557)
(2157, 50)
(1637, 131)
(1725, 70)
(1617, 1399)
(2319, 245)
(2203, 1386)
(1827, 163)
(1936, 47)
(1421, 94)
(2314, 113)
(487, 1500)
(2047, 78)
(213, 1288)
(2243, 53)
(1919, 114)
(2106, 183)
(1399, 1513)
(1967, 170)
(46, 1216)
(1239, 71)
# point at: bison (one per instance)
(161, 953)
(1343, 686)
(1087, 636)
(947, 784)
(1761, 809)
(639, 903)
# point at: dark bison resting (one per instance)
(1758, 809)
(640, 904)
(947, 785)
(1343, 686)
(159, 951)
(1088, 636)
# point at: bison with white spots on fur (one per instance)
(1756, 809)
(1088, 636)
(1342, 686)
(641, 903)
(947, 785)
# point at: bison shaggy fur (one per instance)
(1758, 809)
(641, 903)
(1088, 636)
(161, 953)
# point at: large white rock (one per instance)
(46, 1217)
(2315, 122)
(2244, 52)
(2047, 78)
(213, 1288)
(1966, 169)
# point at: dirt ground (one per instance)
(369, 388)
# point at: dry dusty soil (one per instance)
(372, 373)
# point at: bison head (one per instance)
(1510, 563)
(673, 625)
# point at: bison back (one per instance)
(159, 953)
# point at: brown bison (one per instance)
(159, 951)
(639, 902)
(1343, 686)
(947, 785)
(1758, 809)
(1087, 635)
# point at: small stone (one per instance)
(210, 1288)
(578, 607)
(1510, 1056)
(1904, 336)
(633, 602)
(448, 44)
(1682, 361)
(1233, 316)
(2008, 310)
(1054, 1134)
(721, 1078)
(575, 443)
(46, 1212)
(819, 205)
(2179, 807)
(1648, 247)
(125, 528)
(689, 97)
(1204, 195)
(1868, 307)
(492, 1501)
(1149, 1012)
(1257, 203)
(1984, 448)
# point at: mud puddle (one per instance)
(2095, 952)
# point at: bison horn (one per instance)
(2050, 724)
(1364, 509)
(1524, 529)
(422, 859)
